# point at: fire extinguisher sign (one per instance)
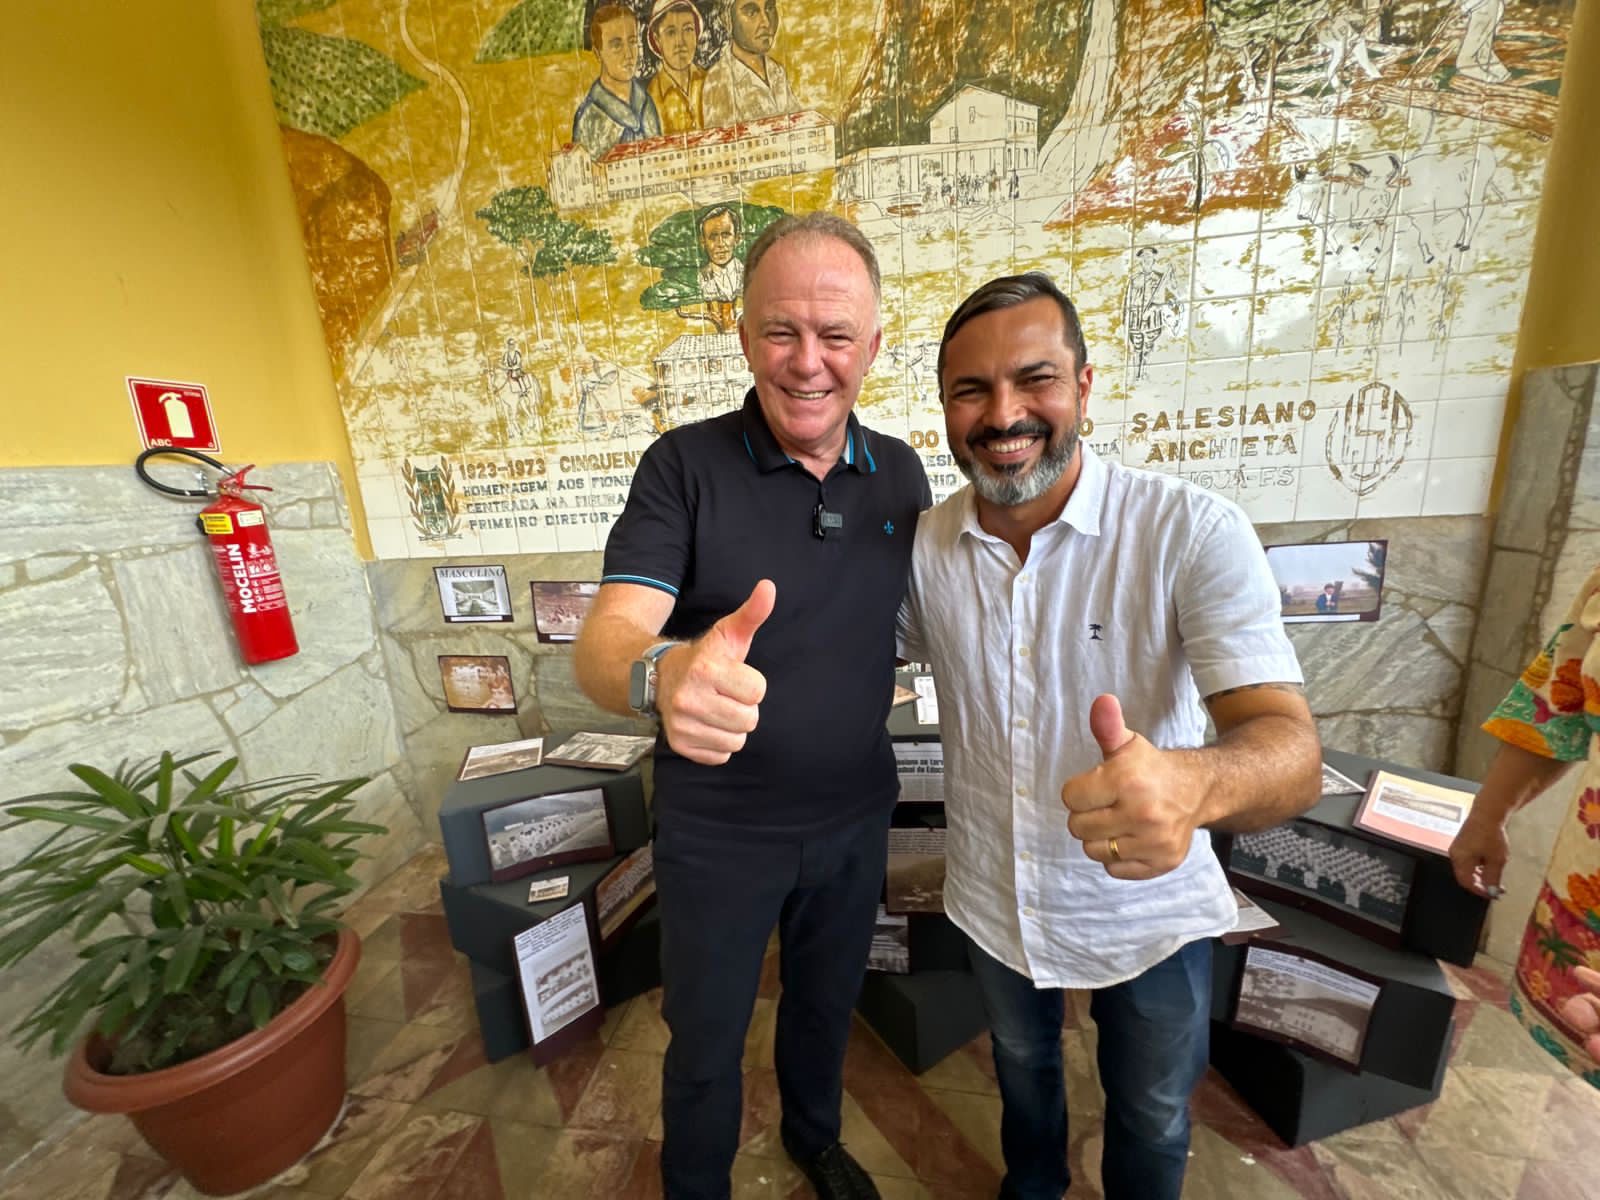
(173, 414)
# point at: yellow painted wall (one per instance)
(1561, 319)
(150, 230)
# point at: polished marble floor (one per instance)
(428, 1119)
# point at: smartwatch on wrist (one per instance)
(642, 679)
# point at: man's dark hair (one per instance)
(720, 210)
(604, 15)
(815, 225)
(1008, 291)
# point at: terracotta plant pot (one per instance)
(236, 1117)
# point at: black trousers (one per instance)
(720, 893)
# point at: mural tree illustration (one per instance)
(1198, 154)
(327, 85)
(675, 249)
(548, 244)
(534, 28)
(1257, 32)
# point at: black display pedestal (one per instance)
(1303, 1097)
(485, 917)
(936, 1009)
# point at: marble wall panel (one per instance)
(116, 647)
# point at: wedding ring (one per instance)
(1111, 849)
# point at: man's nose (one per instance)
(1005, 407)
(808, 354)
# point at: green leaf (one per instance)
(164, 782)
(177, 895)
(81, 820)
(147, 865)
(113, 791)
(180, 966)
(299, 960)
(181, 835)
(260, 1004)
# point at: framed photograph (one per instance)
(541, 890)
(920, 766)
(544, 831)
(1412, 812)
(891, 944)
(1292, 995)
(1329, 581)
(1348, 879)
(473, 594)
(623, 895)
(560, 989)
(501, 758)
(477, 683)
(915, 878)
(1337, 783)
(601, 751)
(559, 608)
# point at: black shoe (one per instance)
(835, 1175)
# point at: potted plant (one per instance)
(213, 961)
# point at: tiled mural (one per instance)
(1298, 231)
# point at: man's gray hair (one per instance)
(814, 225)
(1007, 292)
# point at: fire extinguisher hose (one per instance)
(143, 472)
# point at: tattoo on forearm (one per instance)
(1293, 689)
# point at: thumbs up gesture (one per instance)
(709, 697)
(1135, 813)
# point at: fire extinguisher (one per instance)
(247, 567)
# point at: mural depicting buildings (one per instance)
(703, 165)
(699, 375)
(979, 146)
(1297, 232)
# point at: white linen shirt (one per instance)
(1145, 586)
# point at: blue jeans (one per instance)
(720, 892)
(1154, 1043)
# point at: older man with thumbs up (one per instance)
(748, 599)
(1082, 619)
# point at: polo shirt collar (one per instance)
(765, 452)
(1082, 509)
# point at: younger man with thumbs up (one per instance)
(749, 599)
(1081, 619)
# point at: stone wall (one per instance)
(414, 634)
(117, 645)
(1392, 688)
(1546, 540)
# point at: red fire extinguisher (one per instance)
(236, 528)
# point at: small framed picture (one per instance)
(559, 608)
(1337, 783)
(560, 986)
(477, 683)
(625, 893)
(1351, 880)
(501, 758)
(891, 944)
(1253, 921)
(545, 831)
(1412, 812)
(473, 594)
(920, 766)
(1292, 995)
(1329, 581)
(914, 881)
(601, 751)
(554, 888)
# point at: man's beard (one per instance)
(1014, 485)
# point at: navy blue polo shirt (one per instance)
(717, 506)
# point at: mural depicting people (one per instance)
(1475, 56)
(745, 84)
(617, 108)
(674, 33)
(1152, 300)
(722, 278)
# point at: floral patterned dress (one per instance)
(1554, 710)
